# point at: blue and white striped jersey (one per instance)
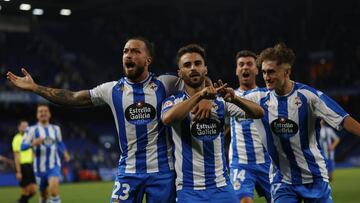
(199, 146)
(136, 107)
(246, 146)
(290, 130)
(327, 136)
(47, 153)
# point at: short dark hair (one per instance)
(279, 53)
(191, 48)
(43, 104)
(149, 45)
(21, 120)
(245, 53)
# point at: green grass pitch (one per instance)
(345, 187)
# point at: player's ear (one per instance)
(149, 60)
(206, 70)
(179, 73)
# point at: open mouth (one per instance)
(246, 75)
(129, 64)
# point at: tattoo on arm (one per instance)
(65, 97)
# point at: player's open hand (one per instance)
(37, 141)
(24, 83)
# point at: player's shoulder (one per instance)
(307, 90)
(259, 92)
(179, 95)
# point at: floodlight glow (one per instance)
(65, 12)
(38, 11)
(6, 0)
(0, 7)
(25, 7)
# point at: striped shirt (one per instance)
(199, 146)
(290, 130)
(246, 146)
(145, 146)
(47, 153)
(327, 136)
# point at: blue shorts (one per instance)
(159, 188)
(317, 192)
(248, 177)
(223, 194)
(42, 179)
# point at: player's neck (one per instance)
(191, 90)
(140, 79)
(286, 88)
(44, 123)
(246, 87)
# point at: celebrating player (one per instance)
(46, 141)
(199, 145)
(249, 161)
(290, 128)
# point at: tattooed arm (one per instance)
(57, 96)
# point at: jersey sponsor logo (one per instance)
(284, 128)
(140, 113)
(206, 130)
(48, 141)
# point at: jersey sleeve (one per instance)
(59, 140)
(328, 110)
(27, 138)
(101, 94)
(167, 104)
(16, 143)
(172, 83)
(233, 110)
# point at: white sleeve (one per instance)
(101, 94)
(172, 84)
(234, 111)
(328, 110)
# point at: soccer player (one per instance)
(23, 165)
(46, 141)
(290, 128)
(200, 162)
(146, 162)
(329, 139)
(249, 161)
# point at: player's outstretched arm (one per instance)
(57, 96)
(351, 125)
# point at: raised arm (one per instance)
(58, 96)
(179, 111)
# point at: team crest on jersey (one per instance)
(48, 141)
(123, 88)
(284, 128)
(153, 86)
(206, 130)
(298, 102)
(168, 104)
(140, 113)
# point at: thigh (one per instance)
(128, 188)
(318, 192)
(160, 188)
(243, 181)
(283, 193)
(28, 176)
(263, 181)
(42, 182)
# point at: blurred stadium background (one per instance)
(81, 46)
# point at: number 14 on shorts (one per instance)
(237, 178)
(125, 191)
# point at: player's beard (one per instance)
(136, 73)
(194, 83)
